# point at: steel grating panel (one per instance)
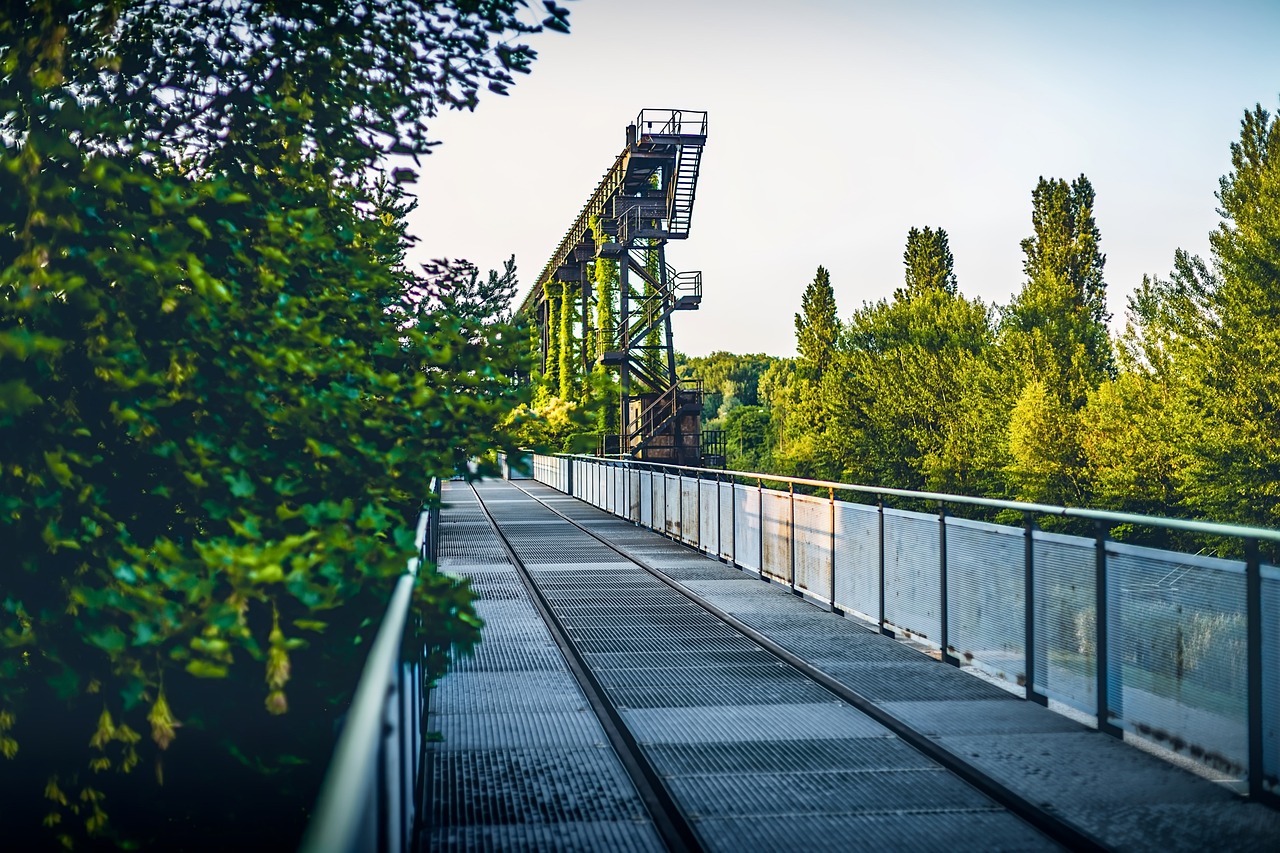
(778, 691)
(857, 561)
(1270, 679)
(776, 546)
(813, 546)
(632, 645)
(681, 659)
(921, 680)
(725, 723)
(789, 756)
(575, 837)
(530, 786)
(523, 692)
(746, 527)
(1176, 628)
(497, 657)
(943, 832)
(709, 678)
(706, 630)
(686, 572)
(496, 586)
(914, 791)
(985, 596)
(912, 573)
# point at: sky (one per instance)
(835, 127)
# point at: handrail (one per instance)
(368, 797)
(1207, 528)
(1076, 616)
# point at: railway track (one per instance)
(624, 677)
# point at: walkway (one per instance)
(750, 752)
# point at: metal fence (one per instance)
(1177, 648)
(370, 794)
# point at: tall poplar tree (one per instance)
(928, 261)
(1055, 341)
(817, 326)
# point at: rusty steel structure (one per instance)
(643, 201)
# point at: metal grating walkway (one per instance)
(521, 762)
(757, 755)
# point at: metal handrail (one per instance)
(1102, 678)
(368, 797)
(1206, 528)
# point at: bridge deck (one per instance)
(755, 754)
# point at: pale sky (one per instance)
(835, 127)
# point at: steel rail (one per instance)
(360, 806)
(1043, 819)
(668, 819)
(1207, 528)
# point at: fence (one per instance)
(1177, 648)
(370, 794)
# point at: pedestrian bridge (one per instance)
(688, 659)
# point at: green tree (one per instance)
(928, 261)
(817, 326)
(1054, 340)
(1234, 373)
(900, 378)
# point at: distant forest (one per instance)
(1035, 400)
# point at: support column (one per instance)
(624, 336)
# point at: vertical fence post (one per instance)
(719, 518)
(944, 621)
(760, 524)
(1253, 663)
(1029, 645)
(1102, 641)
(680, 504)
(880, 513)
(791, 536)
(831, 496)
(699, 499)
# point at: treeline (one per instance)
(1035, 400)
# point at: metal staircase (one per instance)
(682, 190)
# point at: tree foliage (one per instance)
(222, 392)
(930, 390)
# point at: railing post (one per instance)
(880, 513)
(760, 524)
(719, 517)
(1253, 663)
(1102, 644)
(831, 496)
(1030, 647)
(944, 620)
(680, 504)
(791, 535)
(699, 498)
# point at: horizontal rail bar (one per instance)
(1208, 528)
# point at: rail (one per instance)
(1178, 649)
(369, 797)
